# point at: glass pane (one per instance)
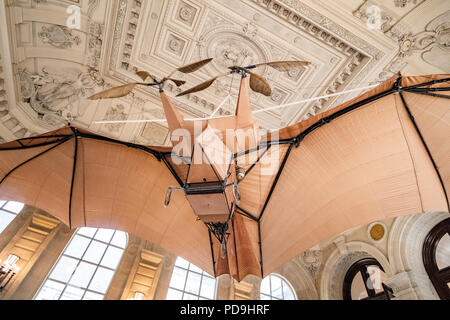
(101, 280)
(51, 290)
(64, 269)
(92, 296)
(178, 278)
(188, 296)
(77, 246)
(112, 257)
(72, 293)
(104, 235)
(14, 206)
(5, 219)
(358, 288)
(277, 291)
(95, 252)
(119, 239)
(443, 252)
(174, 294)
(2, 202)
(87, 231)
(265, 286)
(264, 297)
(287, 292)
(83, 275)
(208, 287)
(180, 262)
(193, 283)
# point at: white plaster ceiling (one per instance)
(48, 70)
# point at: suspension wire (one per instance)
(314, 99)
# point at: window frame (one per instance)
(283, 281)
(2, 208)
(202, 275)
(439, 277)
(80, 260)
(361, 266)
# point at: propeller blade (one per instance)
(259, 84)
(193, 66)
(284, 65)
(202, 86)
(178, 83)
(116, 92)
(144, 75)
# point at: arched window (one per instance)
(275, 287)
(364, 280)
(436, 258)
(8, 211)
(189, 282)
(86, 267)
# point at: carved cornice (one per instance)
(242, 290)
(144, 275)
(188, 30)
(435, 34)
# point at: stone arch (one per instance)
(405, 244)
(300, 279)
(334, 270)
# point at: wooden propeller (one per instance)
(123, 90)
(257, 83)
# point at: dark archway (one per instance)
(437, 241)
(362, 271)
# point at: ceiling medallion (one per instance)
(231, 47)
(377, 231)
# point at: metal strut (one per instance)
(75, 155)
(212, 252)
(219, 230)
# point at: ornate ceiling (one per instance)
(48, 70)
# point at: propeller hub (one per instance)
(239, 70)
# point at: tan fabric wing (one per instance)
(258, 181)
(43, 182)
(366, 165)
(242, 256)
(352, 166)
(432, 115)
(115, 186)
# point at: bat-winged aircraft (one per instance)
(257, 202)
